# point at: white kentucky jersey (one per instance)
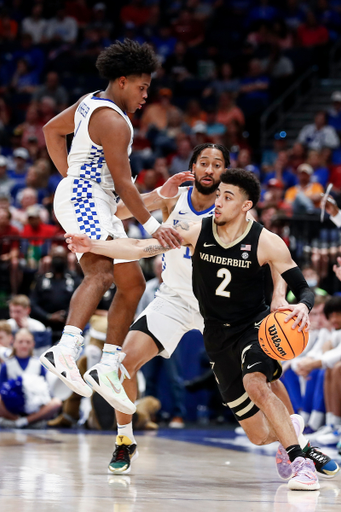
(86, 159)
(177, 264)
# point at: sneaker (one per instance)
(325, 466)
(61, 360)
(283, 463)
(125, 452)
(103, 378)
(326, 429)
(330, 438)
(176, 422)
(304, 475)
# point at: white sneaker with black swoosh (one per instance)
(103, 378)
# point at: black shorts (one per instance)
(234, 353)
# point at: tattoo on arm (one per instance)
(153, 250)
(183, 225)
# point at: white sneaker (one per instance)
(329, 438)
(103, 378)
(61, 360)
(326, 429)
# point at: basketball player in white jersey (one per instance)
(264, 417)
(96, 172)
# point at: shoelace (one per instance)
(121, 453)
(317, 455)
(110, 361)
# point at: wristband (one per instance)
(337, 219)
(158, 190)
(151, 225)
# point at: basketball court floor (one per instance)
(189, 470)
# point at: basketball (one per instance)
(278, 340)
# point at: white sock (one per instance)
(126, 430)
(330, 418)
(337, 421)
(316, 420)
(305, 416)
(70, 329)
(108, 347)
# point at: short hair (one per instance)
(20, 300)
(5, 327)
(200, 148)
(126, 58)
(245, 180)
(333, 305)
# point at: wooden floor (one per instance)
(47, 471)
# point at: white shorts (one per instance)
(83, 206)
(166, 319)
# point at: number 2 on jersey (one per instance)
(224, 274)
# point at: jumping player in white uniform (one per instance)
(96, 170)
(125, 445)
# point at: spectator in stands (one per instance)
(61, 28)
(228, 111)
(32, 54)
(6, 183)
(297, 155)
(180, 160)
(180, 65)
(100, 21)
(24, 79)
(269, 155)
(25, 398)
(52, 89)
(199, 133)
(245, 162)
(311, 33)
(277, 65)
(20, 165)
(321, 172)
(194, 113)
(282, 34)
(9, 254)
(36, 178)
(254, 95)
(35, 24)
(214, 130)
(135, 12)
(224, 82)
(187, 29)
(306, 195)
(31, 127)
(47, 109)
(319, 135)
(27, 198)
(52, 292)
(78, 10)
(235, 138)
(334, 113)
(19, 312)
(281, 171)
(156, 114)
(164, 42)
(6, 340)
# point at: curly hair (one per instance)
(245, 180)
(127, 58)
(200, 148)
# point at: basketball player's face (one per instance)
(207, 170)
(135, 91)
(230, 204)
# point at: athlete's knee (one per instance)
(259, 438)
(257, 388)
(132, 287)
(103, 279)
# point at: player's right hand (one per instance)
(168, 237)
(170, 188)
(78, 243)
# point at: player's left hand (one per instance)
(301, 312)
(78, 243)
(278, 302)
(170, 188)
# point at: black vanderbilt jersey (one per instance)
(227, 279)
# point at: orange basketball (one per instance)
(278, 340)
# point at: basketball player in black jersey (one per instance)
(228, 253)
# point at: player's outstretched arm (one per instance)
(129, 248)
(160, 198)
(273, 250)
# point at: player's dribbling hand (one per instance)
(170, 188)
(78, 243)
(301, 312)
(168, 237)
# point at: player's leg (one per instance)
(104, 377)
(139, 348)
(61, 359)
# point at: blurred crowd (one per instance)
(222, 63)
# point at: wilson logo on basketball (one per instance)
(276, 340)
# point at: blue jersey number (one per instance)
(187, 254)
